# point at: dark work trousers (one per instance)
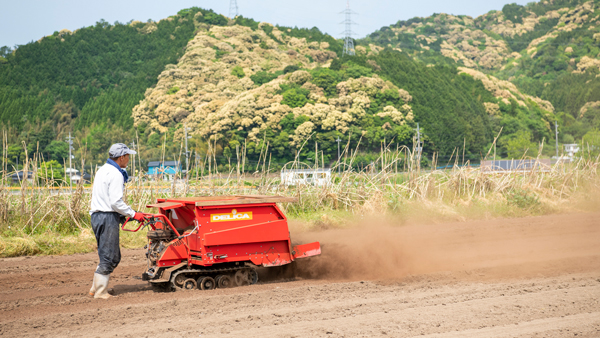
(106, 229)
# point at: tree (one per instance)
(262, 77)
(44, 137)
(514, 12)
(57, 151)
(520, 145)
(238, 71)
(295, 97)
(16, 154)
(51, 172)
(590, 144)
(212, 18)
(326, 79)
(5, 51)
(290, 69)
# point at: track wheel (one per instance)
(206, 283)
(178, 281)
(253, 276)
(241, 278)
(189, 284)
(223, 281)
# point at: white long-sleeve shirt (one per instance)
(107, 192)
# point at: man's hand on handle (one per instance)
(138, 216)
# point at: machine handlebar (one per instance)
(139, 227)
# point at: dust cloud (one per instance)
(381, 249)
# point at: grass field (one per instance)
(37, 218)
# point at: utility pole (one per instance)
(187, 153)
(196, 162)
(348, 41)
(70, 142)
(316, 155)
(338, 142)
(419, 147)
(233, 9)
(556, 131)
(133, 148)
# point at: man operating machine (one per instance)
(107, 211)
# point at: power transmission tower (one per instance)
(233, 9)
(348, 41)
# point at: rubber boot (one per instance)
(93, 288)
(101, 282)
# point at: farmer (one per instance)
(107, 210)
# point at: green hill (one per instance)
(239, 83)
(549, 49)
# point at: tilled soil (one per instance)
(530, 277)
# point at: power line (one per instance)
(233, 9)
(348, 40)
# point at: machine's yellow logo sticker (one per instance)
(233, 216)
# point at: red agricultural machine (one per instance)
(208, 242)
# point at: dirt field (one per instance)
(531, 277)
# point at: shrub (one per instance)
(173, 90)
(523, 199)
(219, 53)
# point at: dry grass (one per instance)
(44, 217)
(54, 244)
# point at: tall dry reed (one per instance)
(46, 203)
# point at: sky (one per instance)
(23, 21)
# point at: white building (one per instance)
(317, 177)
(71, 172)
(571, 149)
(76, 178)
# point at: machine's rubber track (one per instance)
(208, 279)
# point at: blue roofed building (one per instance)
(164, 170)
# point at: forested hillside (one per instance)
(266, 89)
(87, 81)
(241, 85)
(549, 49)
